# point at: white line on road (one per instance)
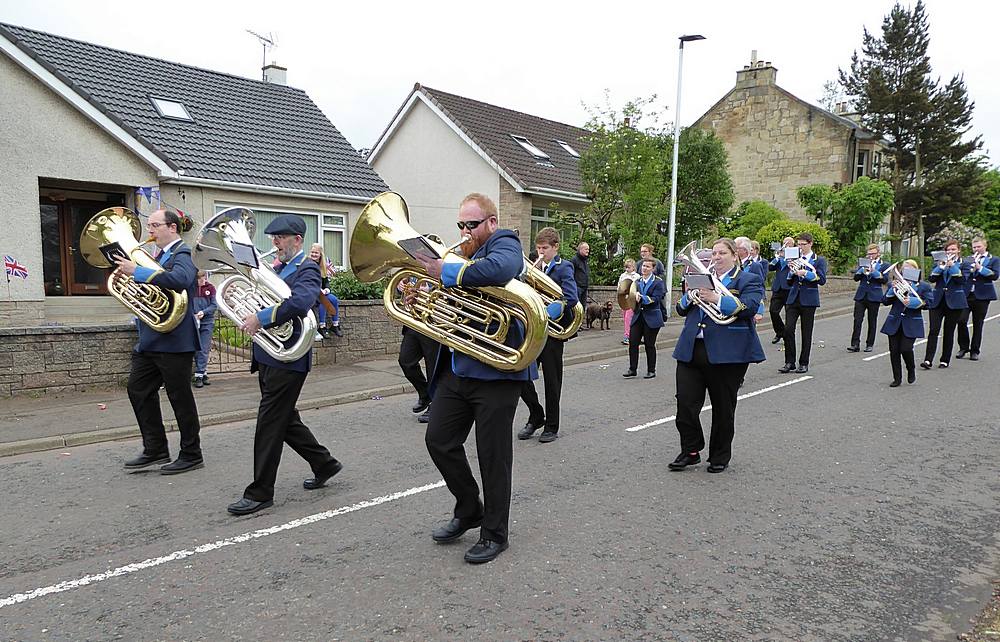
(205, 548)
(709, 406)
(916, 343)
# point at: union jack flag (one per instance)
(14, 268)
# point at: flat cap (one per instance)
(286, 224)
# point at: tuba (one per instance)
(901, 285)
(474, 321)
(159, 308)
(250, 289)
(689, 257)
(550, 291)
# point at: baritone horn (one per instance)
(689, 257)
(474, 321)
(550, 291)
(159, 308)
(901, 285)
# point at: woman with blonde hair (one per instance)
(316, 254)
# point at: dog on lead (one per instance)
(600, 313)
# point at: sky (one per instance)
(358, 61)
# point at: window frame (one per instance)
(157, 100)
(321, 226)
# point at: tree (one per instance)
(832, 94)
(749, 217)
(776, 232)
(850, 213)
(987, 215)
(891, 86)
(704, 188)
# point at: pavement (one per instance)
(61, 421)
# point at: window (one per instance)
(170, 109)
(877, 165)
(542, 217)
(569, 150)
(862, 164)
(541, 157)
(332, 227)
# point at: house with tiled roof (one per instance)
(84, 127)
(440, 146)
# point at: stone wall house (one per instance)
(778, 142)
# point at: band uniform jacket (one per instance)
(805, 289)
(736, 342)
(980, 284)
(780, 268)
(302, 276)
(910, 318)
(495, 263)
(949, 287)
(649, 307)
(561, 271)
(757, 267)
(179, 275)
(870, 285)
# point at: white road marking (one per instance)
(205, 548)
(665, 420)
(916, 343)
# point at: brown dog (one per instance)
(601, 313)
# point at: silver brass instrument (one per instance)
(250, 289)
(474, 321)
(901, 286)
(159, 308)
(689, 257)
(800, 263)
(550, 291)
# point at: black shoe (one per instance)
(802, 370)
(246, 506)
(943, 364)
(529, 429)
(961, 354)
(911, 376)
(776, 339)
(199, 381)
(854, 349)
(336, 330)
(425, 418)
(628, 374)
(974, 356)
(145, 461)
(869, 348)
(788, 367)
(716, 468)
(204, 380)
(684, 460)
(320, 480)
(485, 550)
(926, 365)
(420, 406)
(649, 375)
(895, 383)
(547, 436)
(454, 529)
(182, 466)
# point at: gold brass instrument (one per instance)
(901, 286)
(626, 294)
(474, 321)
(159, 308)
(689, 257)
(550, 291)
(250, 289)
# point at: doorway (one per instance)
(65, 271)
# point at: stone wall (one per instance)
(21, 313)
(369, 333)
(515, 211)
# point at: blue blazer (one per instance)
(805, 290)
(302, 276)
(780, 282)
(498, 261)
(949, 287)
(980, 284)
(180, 275)
(649, 307)
(758, 267)
(562, 271)
(870, 285)
(733, 343)
(910, 319)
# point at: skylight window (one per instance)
(171, 108)
(538, 154)
(569, 150)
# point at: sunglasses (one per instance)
(471, 225)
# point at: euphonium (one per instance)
(550, 291)
(474, 321)
(159, 308)
(251, 289)
(689, 257)
(901, 286)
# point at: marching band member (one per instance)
(278, 421)
(551, 357)
(166, 358)
(745, 252)
(983, 272)
(803, 300)
(948, 302)
(867, 299)
(647, 319)
(468, 391)
(779, 290)
(905, 324)
(714, 358)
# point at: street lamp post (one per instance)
(673, 178)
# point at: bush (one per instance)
(228, 333)
(749, 218)
(347, 287)
(776, 231)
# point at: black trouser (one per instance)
(722, 381)
(458, 403)
(900, 348)
(278, 423)
(173, 370)
(860, 308)
(551, 361)
(794, 312)
(647, 335)
(978, 308)
(414, 347)
(775, 307)
(950, 318)
(582, 295)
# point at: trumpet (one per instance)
(901, 286)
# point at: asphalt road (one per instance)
(851, 511)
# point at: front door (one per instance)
(64, 269)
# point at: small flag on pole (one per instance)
(14, 268)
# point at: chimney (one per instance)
(758, 73)
(275, 75)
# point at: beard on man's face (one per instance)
(469, 247)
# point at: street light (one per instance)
(673, 178)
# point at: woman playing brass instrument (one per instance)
(905, 322)
(947, 304)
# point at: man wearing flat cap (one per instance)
(278, 420)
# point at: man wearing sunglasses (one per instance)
(467, 391)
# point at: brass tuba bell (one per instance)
(550, 291)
